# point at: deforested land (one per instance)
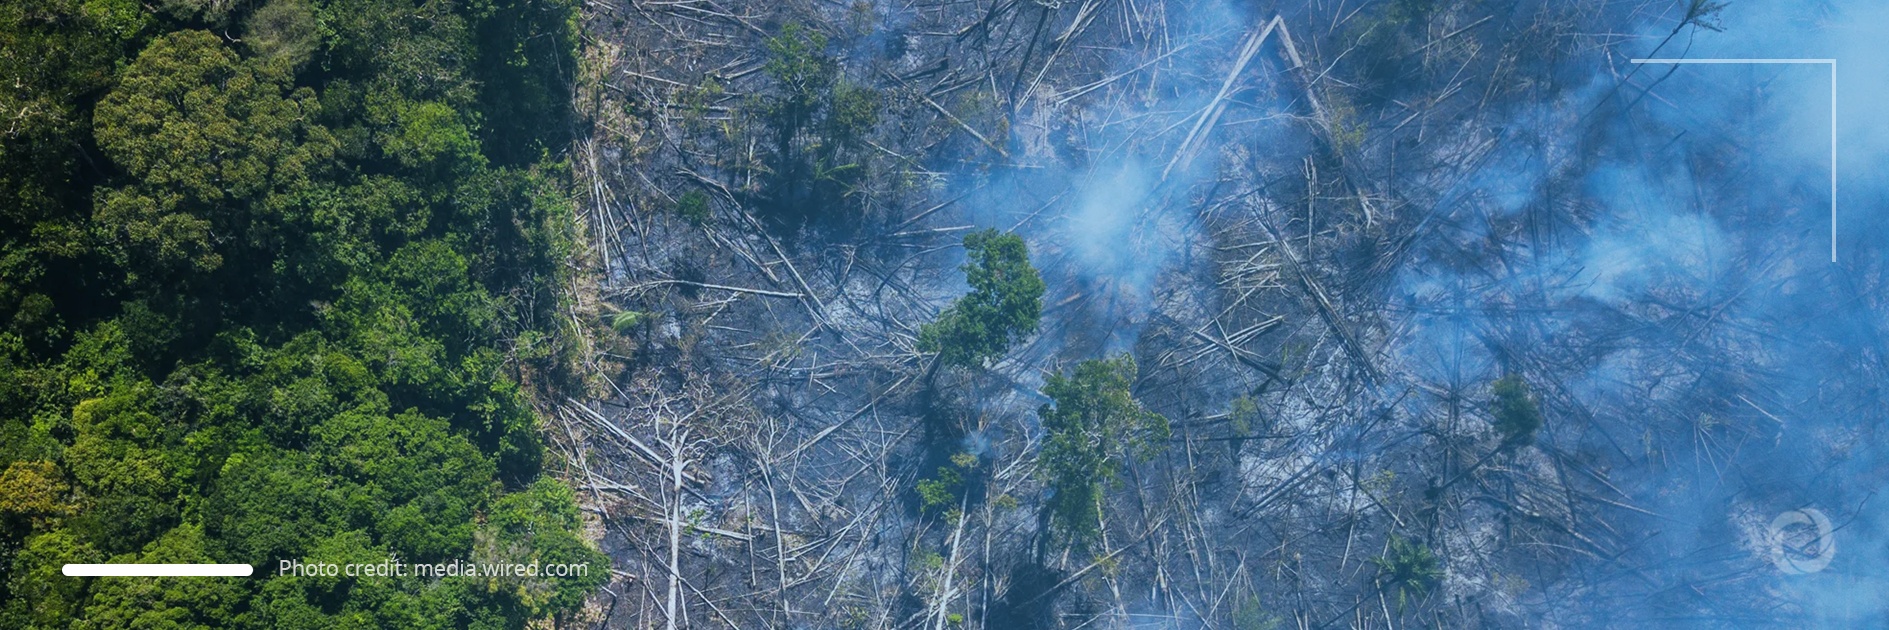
(992, 314)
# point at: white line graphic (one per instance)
(157, 570)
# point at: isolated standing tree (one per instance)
(1408, 569)
(819, 119)
(1003, 307)
(1094, 426)
(1517, 417)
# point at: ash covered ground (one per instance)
(1456, 316)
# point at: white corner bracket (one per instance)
(1833, 119)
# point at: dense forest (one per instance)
(279, 279)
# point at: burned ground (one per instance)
(1323, 230)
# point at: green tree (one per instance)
(123, 460)
(539, 525)
(32, 491)
(819, 120)
(1407, 569)
(942, 491)
(176, 602)
(525, 75)
(693, 207)
(207, 139)
(408, 478)
(1517, 417)
(1094, 427)
(56, 57)
(798, 62)
(282, 33)
(1003, 307)
(39, 596)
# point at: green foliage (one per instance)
(1094, 427)
(40, 596)
(1251, 615)
(797, 60)
(31, 494)
(207, 139)
(944, 489)
(937, 492)
(526, 72)
(1005, 502)
(540, 524)
(1243, 415)
(205, 11)
(851, 111)
(415, 483)
(927, 560)
(1003, 307)
(282, 33)
(855, 618)
(178, 602)
(1517, 417)
(56, 57)
(1347, 132)
(430, 135)
(693, 207)
(820, 121)
(261, 297)
(120, 461)
(1408, 569)
(627, 321)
